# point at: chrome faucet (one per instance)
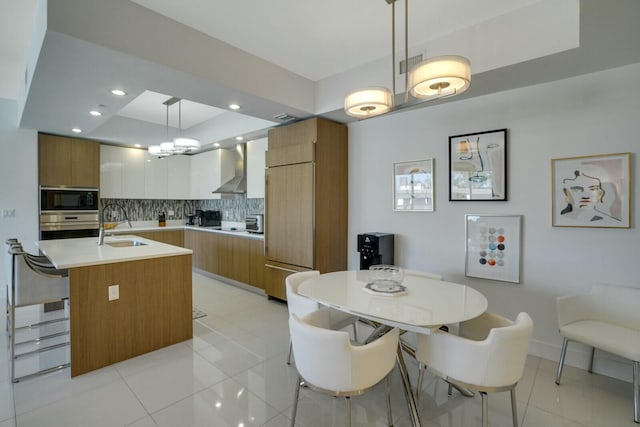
(101, 233)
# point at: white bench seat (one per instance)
(614, 339)
(607, 318)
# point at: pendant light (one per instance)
(165, 148)
(440, 77)
(437, 77)
(181, 142)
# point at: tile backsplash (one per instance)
(148, 209)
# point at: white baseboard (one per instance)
(578, 356)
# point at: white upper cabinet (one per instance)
(130, 173)
(133, 180)
(178, 177)
(122, 173)
(110, 172)
(255, 168)
(205, 175)
(155, 177)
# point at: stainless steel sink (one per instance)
(125, 243)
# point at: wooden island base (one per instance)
(153, 310)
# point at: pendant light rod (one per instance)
(167, 124)
(180, 116)
(406, 51)
(393, 47)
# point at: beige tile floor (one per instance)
(233, 373)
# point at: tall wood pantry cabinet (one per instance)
(71, 162)
(305, 201)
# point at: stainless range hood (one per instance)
(237, 184)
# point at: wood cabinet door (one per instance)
(296, 133)
(275, 275)
(54, 154)
(289, 218)
(256, 263)
(85, 163)
(68, 161)
(194, 240)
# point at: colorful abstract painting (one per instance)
(493, 247)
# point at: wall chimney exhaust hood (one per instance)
(237, 184)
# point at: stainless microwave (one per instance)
(68, 199)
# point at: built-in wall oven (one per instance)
(68, 212)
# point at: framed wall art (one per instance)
(591, 191)
(478, 166)
(493, 247)
(413, 185)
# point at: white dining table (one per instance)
(425, 305)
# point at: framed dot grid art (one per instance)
(493, 247)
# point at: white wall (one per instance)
(591, 114)
(18, 182)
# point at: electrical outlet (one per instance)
(8, 213)
(114, 292)
(171, 212)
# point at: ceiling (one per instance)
(319, 39)
(282, 56)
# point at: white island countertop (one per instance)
(69, 253)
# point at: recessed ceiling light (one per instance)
(234, 106)
(239, 138)
(118, 92)
(95, 113)
(216, 144)
(137, 145)
(76, 130)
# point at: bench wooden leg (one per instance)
(563, 353)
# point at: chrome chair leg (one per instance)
(421, 369)
(593, 353)
(563, 353)
(514, 408)
(485, 409)
(636, 390)
(355, 331)
(295, 402)
(450, 389)
(290, 351)
(387, 390)
(348, 399)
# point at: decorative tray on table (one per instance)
(387, 289)
(385, 281)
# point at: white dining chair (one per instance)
(301, 306)
(487, 356)
(328, 362)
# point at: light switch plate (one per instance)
(114, 292)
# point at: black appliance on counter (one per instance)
(210, 218)
(375, 248)
(67, 212)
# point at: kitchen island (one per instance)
(127, 297)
